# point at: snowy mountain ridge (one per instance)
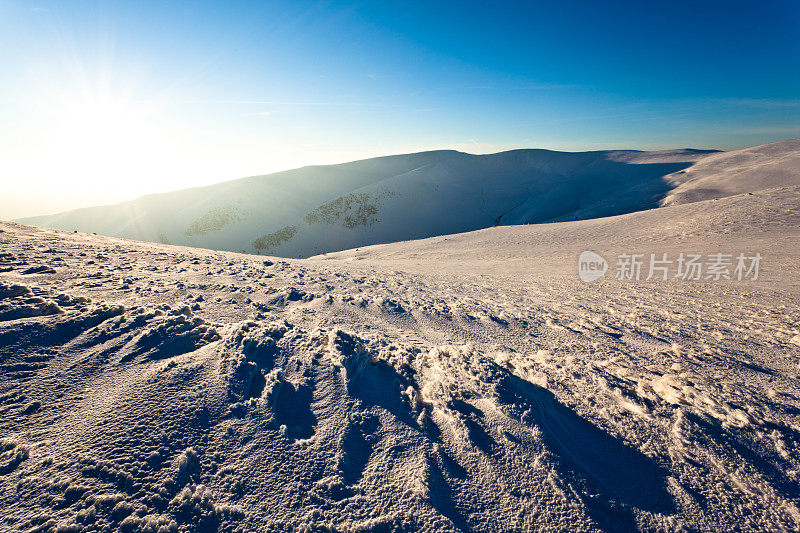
(320, 209)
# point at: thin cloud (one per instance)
(524, 87)
(288, 103)
(374, 76)
(765, 130)
(766, 103)
(535, 86)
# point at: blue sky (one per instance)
(105, 101)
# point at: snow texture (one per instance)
(466, 382)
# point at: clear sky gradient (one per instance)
(101, 102)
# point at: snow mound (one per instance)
(19, 301)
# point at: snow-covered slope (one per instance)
(740, 171)
(462, 383)
(321, 209)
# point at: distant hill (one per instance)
(728, 173)
(318, 209)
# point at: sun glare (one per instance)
(98, 139)
(105, 127)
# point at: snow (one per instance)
(314, 210)
(467, 382)
(741, 171)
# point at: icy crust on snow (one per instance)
(146, 388)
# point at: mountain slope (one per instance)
(728, 173)
(460, 383)
(315, 210)
(320, 209)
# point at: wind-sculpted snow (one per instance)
(466, 383)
